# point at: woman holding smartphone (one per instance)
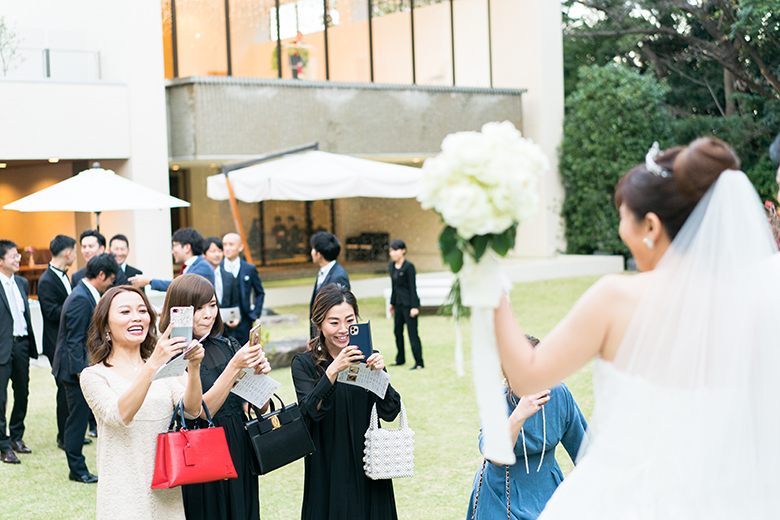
(335, 485)
(131, 410)
(223, 360)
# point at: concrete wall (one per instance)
(214, 117)
(114, 111)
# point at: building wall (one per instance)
(104, 101)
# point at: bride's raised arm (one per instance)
(577, 339)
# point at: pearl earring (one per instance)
(648, 242)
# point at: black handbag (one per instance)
(279, 437)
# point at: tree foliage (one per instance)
(610, 121)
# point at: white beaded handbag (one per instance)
(389, 453)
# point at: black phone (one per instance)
(360, 336)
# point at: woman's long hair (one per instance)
(194, 290)
(99, 343)
(329, 296)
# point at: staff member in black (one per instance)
(404, 304)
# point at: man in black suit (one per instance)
(325, 248)
(93, 243)
(17, 346)
(119, 247)
(250, 289)
(53, 289)
(71, 357)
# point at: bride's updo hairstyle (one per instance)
(681, 177)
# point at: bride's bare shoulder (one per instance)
(613, 288)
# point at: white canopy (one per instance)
(94, 191)
(316, 175)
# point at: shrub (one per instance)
(611, 121)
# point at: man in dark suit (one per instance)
(250, 288)
(93, 243)
(325, 248)
(17, 346)
(119, 247)
(71, 357)
(53, 288)
(187, 250)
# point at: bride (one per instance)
(686, 422)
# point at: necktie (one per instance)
(19, 324)
(182, 269)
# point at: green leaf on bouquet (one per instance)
(505, 241)
(450, 250)
(480, 243)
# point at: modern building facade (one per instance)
(166, 100)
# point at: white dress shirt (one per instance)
(16, 303)
(62, 276)
(218, 284)
(233, 266)
(188, 263)
(92, 290)
(324, 270)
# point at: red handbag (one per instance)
(191, 456)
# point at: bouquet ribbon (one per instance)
(482, 286)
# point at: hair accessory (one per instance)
(653, 166)
(649, 242)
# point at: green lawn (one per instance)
(440, 407)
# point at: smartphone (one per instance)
(181, 319)
(360, 336)
(255, 335)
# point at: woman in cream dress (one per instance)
(131, 410)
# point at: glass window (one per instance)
(253, 47)
(392, 34)
(348, 41)
(302, 28)
(472, 67)
(200, 31)
(432, 42)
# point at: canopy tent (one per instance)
(94, 191)
(316, 175)
(307, 174)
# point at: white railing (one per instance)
(58, 64)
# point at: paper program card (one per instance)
(173, 368)
(257, 389)
(230, 314)
(360, 375)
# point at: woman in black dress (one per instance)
(235, 499)
(338, 415)
(404, 304)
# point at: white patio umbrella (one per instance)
(94, 191)
(316, 175)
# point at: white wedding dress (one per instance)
(686, 423)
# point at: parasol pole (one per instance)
(236, 217)
(97, 221)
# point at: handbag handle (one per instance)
(402, 423)
(179, 410)
(271, 404)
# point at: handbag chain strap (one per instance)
(479, 488)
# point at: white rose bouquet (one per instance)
(483, 184)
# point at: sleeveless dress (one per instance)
(238, 498)
(126, 453)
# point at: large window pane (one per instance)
(253, 47)
(472, 66)
(200, 28)
(432, 42)
(348, 41)
(392, 30)
(303, 42)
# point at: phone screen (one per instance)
(181, 319)
(255, 336)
